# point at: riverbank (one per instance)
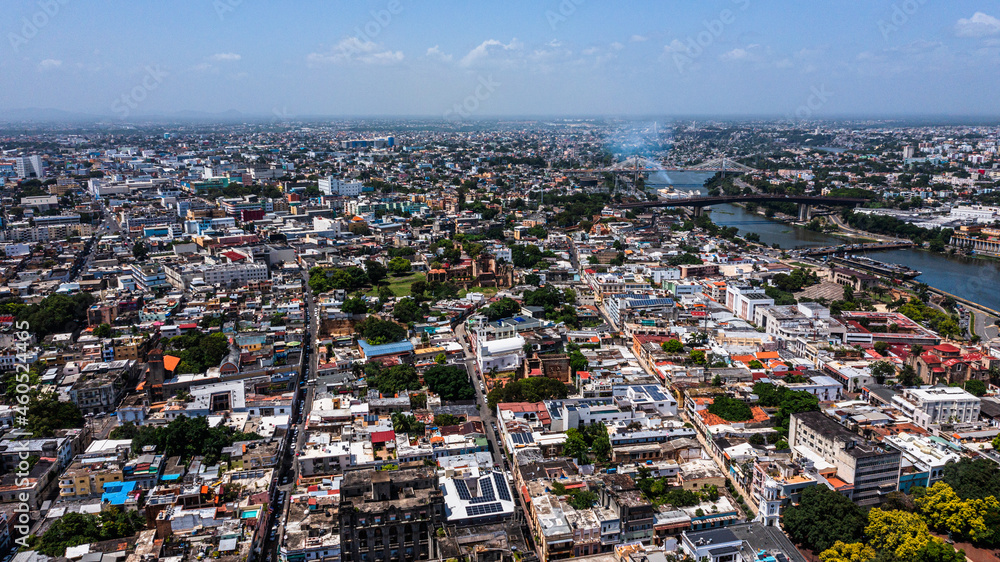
(793, 222)
(971, 278)
(968, 277)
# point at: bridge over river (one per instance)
(805, 202)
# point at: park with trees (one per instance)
(907, 526)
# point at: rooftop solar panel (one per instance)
(502, 488)
(483, 509)
(486, 493)
(463, 490)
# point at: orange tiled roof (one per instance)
(170, 362)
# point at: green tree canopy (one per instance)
(446, 420)
(376, 271)
(346, 278)
(584, 499)
(399, 266)
(975, 387)
(450, 382)
(46, 414)
(882, 370)
(403, 423)
(354, 305)
(190, 437)
(198, 351)
(392, 380)
(377, 331)
(56, 313)
(973, 479)
(74, 529)
(672, 346)
(407, 310)
(822, 518)
(787, 401)
(533, 389)
(503, 308)
(730, 409)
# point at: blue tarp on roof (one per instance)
(385, 349)
(116, 493)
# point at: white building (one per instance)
(574, 415)
(29, 167)
(328, 227)
(476, 497)
(647, 398)
(502, 355)
(804, 320)
(929, 406)
(924, 455)
(743, 300)
(661, 274)
(714, 545)
(217, 397)
(225, 274)
(975, 213)
(333, 186)
(824, 388)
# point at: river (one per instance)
(971, 278)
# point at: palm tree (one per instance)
(923, 292)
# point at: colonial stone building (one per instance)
(390, 515)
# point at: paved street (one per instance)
(287, 473)
(984, 326)
(484, 410)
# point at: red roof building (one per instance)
(383, 437)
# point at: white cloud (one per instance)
(734, 55)
(436, 53)
(638, 38)
(591, 51)
(49, 64)
(488, 48)
(739, 54)
(352, 49)
(616, 46)
(979, 25)
(675, 46)
(227, 57)
(202, 67)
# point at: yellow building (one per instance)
(127, 348)
(82, 480)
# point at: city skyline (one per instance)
(571, 58)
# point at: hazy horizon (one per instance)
(735, 59)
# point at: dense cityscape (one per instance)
(363, 282)
(295, 342)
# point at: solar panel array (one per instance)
(483, 509)
(485, 492)
(522, 438)
(463, 490)
(655, 393)
(502, 488)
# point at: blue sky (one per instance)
(482, 59)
